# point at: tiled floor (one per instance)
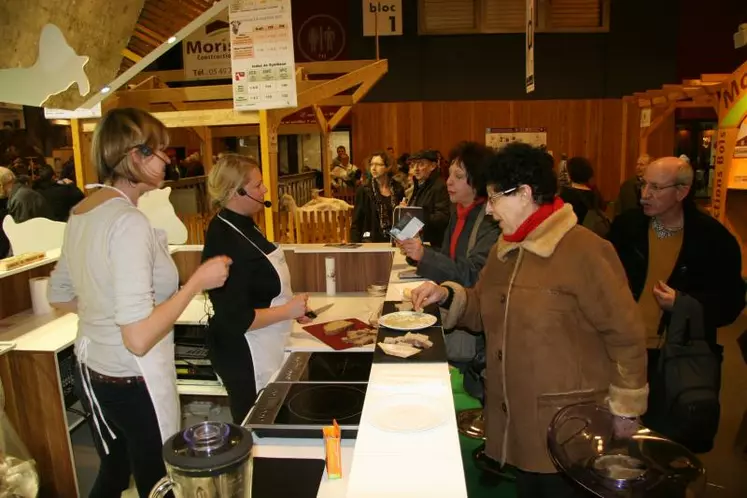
(726, 464)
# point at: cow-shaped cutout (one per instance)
(159, 210)
(36, 234)
(56, 69)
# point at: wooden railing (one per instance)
(347, 195)
(298, 186)
(189, 195)
(307, 227)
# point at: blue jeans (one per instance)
(136, 450)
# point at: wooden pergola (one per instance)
(208, 109)
(703, 92)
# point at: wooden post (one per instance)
(85, 170)
(268, 144)
(207, 149)
(326, 166)
(624, 143)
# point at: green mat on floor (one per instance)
(477, 487)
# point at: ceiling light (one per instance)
(171, 39)
(106, 89)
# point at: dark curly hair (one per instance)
(519, 164)
(580, 170)
(474, 157)
(383, 155)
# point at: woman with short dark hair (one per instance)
(470, 233)
(581, 194)
(560, 322)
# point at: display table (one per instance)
(424, 464)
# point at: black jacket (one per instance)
(433, 197)
(25, 204)
(437, 264)
(60, 197)
(366, 216)
(709, 266)
(581, 200)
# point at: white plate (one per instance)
(406, 413)
(407, 320)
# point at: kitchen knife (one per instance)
(313, 314)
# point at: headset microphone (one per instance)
(241, 191)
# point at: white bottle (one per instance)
(329, 267)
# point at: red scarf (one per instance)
(534, 220)
(462, 213)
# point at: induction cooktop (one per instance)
(300, 410)
(326, 367)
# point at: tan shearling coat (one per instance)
(561, 327)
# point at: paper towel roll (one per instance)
(38, 288)
(329, 267)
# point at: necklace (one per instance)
(663, 232)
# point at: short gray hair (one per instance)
(685, 174)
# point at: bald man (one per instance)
(672, 250)
(23, 203)
(630, 191)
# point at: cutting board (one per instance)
(335, 341)
(435, 354)
(270, 478)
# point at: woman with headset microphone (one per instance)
(115, 271)
(253, 312)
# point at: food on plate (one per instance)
(400, 350)
(407, 320)
(337, 327)
(406, 345)
(420, 341)
(360, 337)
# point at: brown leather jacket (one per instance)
(561, 327)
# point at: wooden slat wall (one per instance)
(591, 128)
(577, 127)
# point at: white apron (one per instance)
(156, 366)
(267, 345)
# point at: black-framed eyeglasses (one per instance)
(493, 198)
(653, 187)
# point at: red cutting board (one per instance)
(335, 341)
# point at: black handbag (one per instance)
(684, 398)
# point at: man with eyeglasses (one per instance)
(670, 250)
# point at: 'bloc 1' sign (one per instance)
(384, 16)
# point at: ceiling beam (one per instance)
(123, 78)
(130, 55)
(198, 117)
(144, 98)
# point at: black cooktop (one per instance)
(326, 367)
(300, 410)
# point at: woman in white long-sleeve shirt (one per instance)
(116, 273)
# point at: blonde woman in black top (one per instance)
(254, 310)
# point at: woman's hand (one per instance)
(413, 248)
(297, 307)
(428, 293)
(212, 273)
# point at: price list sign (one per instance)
(262, 59)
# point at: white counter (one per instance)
(51, 333)
(415, 465)
(51, 257)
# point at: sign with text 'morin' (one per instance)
(207, 51)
